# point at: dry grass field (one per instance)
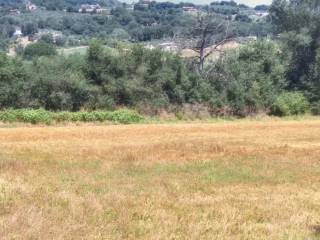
(226, 180)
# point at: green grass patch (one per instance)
(219, 171)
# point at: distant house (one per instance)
(190, 10)
(93, 8)
(261, 13)
(31, 7)
(145, 2)
(17, 33)
(89, 8)
(142, 4)
(14, 12)
(129, 7)
(242, 40)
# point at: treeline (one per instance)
(243, 82)
(101, 79)
(271, 76)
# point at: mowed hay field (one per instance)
(227, 180)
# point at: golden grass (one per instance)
(227, 180)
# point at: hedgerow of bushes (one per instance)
(35, 116)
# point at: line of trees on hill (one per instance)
(159, 21)
(57, 4)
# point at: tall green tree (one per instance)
(13, 83)
(298, 22)
(248, 80)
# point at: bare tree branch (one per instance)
(207, 26)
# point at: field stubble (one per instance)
(236, 180)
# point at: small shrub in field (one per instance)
(35, 116)
(96, 116)
(290, 103)
(179, 115)
(81, 116)
(126, 116)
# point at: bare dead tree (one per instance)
(208, 34)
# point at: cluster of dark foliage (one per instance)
(227, 7)
(298, 23)
(101, 79)
(240, 83)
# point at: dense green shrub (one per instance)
(247, 80)
(124, 116)
(81, 116)
(27, 116)
(8, 116)
(35, 116)
(38, 49)
(67, 117)
(290, 103)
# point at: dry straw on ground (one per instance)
(236, 180)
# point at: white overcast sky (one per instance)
(247, 2)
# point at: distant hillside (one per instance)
(11, 2)
(70, 3)
(250, 3)
(58, 4)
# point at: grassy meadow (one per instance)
(225, 180)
